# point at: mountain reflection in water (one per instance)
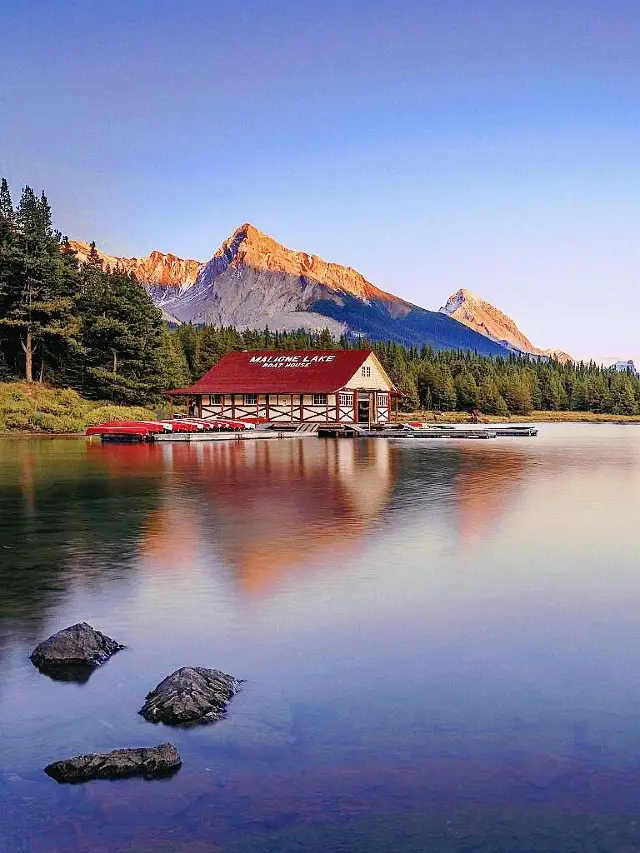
(425, 628)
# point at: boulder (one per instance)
(191, 694)
(74, 652)
(149, 762)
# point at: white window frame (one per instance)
(216, 399)
(382, 400)
(319, 399)
(346, 400)
(250, 399)
(366, 371)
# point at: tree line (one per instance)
(446, 380)
(95, 329)
(76, 325)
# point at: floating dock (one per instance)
(270, 432)
(249, 435)
(436, 431)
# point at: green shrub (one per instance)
(48, 422)
(15, 419)
(102, 414)
(34, 408)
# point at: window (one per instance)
(215, 400)
(250, 399)
(346, 400)
(319, 399)
(383, 401)
(366, 371)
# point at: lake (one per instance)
(440, 642)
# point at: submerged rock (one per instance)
(191, 694)
(72, 653)
(149, 762)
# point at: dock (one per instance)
(436, 431)
(249, 435)
(267, 432)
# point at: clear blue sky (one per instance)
(431, 144)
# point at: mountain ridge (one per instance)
(158, 268)
(253, 281)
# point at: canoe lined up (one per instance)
(146, 430)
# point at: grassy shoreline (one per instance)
(31, 409)
(534, 417)
(36, 411)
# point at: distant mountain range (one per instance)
(252, 281)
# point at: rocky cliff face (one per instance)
(477, 314)
(158, 269)
(252, 281)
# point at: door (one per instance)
(364, 409)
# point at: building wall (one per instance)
(280, 408)
(376, 379)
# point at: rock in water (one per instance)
(149, 762)
(191, 694)
(74, 652)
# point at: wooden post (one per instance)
(200, 406)
(266, 406)
(355, 407)
(301, 408)
(338, 406)
(233, 406)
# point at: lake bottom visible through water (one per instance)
(439, 641)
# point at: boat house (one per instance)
(301, 386)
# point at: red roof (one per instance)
(280, 372)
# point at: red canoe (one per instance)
(150, 426)
(121, 429)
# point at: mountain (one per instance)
(622, 365)
(158, 269)
(480, 315)
(252, 281)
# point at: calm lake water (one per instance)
(440, 641)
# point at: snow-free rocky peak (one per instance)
(478, 314)
(158, 268)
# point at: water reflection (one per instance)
(270, 510)
(420, 626)
(65, 520)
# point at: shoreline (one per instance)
(535, 417)
(538, 417)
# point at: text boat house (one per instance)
(302, 386)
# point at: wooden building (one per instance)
(302, 386)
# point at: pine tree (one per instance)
(623, 401)
(175, 368)
(122, 337)
(93, 258)
(39, 284)
(7, 213)
(466, 391)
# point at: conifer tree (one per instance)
(93, 258)
(39, 286)
(122, 338)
